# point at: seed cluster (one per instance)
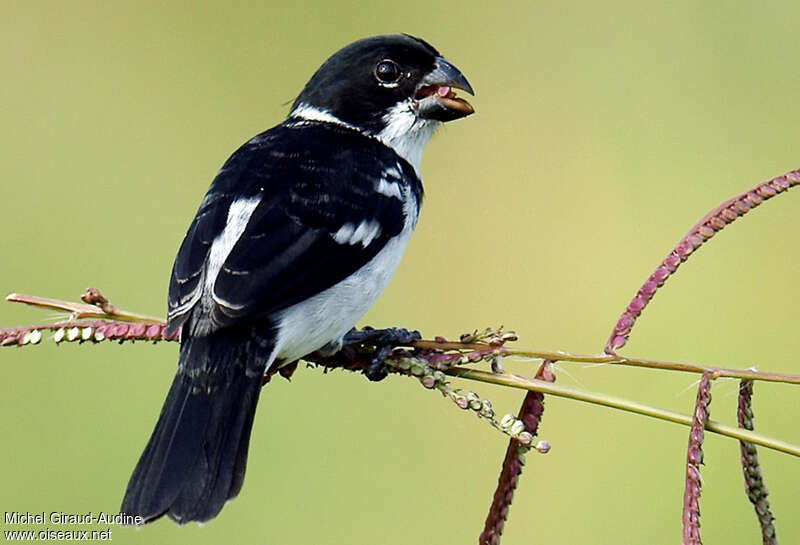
(433, 378)
(87, 331)
(753, 479)
(714, 221)
(694, 458)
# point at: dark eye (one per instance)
(387, 71)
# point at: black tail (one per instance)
(195, 460)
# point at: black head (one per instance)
(369, 81)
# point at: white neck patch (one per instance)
(405, 133)
(308, 112)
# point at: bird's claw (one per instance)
(376, 369)
(384, 340)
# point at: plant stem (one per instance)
(525, 383)
(713, 222)
(717, 372)
(80, 310)
(616, 359)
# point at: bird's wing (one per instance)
(292, 213)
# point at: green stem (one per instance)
(524, 383)
(717, 372)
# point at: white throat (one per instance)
(405, 132)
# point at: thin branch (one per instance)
(97, 307)
(616, 359)
(444, 355)
(525, 383)
(716, 220)
(453, 350)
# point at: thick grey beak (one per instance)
(435, 97)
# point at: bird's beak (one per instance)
(435, 98)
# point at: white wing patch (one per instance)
(389, 188)
(365, 233)
(238, 215)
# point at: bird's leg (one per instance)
(384, 340)
(376, 369)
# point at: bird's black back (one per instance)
(311, 178)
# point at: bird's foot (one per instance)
(396, 336)
(384, 340)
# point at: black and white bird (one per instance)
(298, 235)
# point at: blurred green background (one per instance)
(603, 132)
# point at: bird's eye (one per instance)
(387, 72)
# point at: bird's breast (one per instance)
(325, 317)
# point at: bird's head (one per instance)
(396, 88)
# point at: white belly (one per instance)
(327, 316)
